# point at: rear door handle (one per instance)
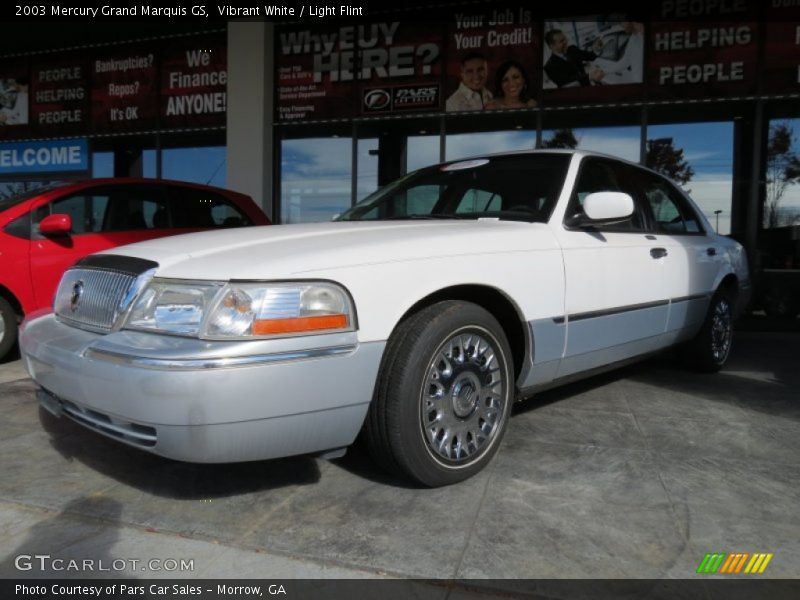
(711, 251)
(658, 252)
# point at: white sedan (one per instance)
(417, 317)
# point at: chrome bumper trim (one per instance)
(194, 364)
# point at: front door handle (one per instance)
(658, 252)
(711, 251)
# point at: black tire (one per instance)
(709, 350)
(443, 396)
(8, 327)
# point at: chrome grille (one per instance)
(92, 298)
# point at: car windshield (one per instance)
(521, 187)
(21, 195)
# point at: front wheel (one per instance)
(709, 350)
(443, 395)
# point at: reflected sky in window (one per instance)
(708, 149)
(204, 165)
(316, 178)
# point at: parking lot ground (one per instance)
(634, 474)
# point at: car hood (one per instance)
(291, 250)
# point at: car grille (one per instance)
(95, 294)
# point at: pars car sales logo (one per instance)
(377, 100)
(413, 97)
(403, 97)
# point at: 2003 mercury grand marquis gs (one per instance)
(417, 317)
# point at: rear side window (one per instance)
(197, 208)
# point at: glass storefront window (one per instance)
(622, 142)
(422, 151)
(367, 167)
(205, 165)
(782, 202)
(315, 178)
(102, 164)
(704, 153)
(149, 158)
(464, 145)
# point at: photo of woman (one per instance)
(512, 89)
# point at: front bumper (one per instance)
(202, 401)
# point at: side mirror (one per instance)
(603, 208)
(56, 225)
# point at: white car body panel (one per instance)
(410, 259)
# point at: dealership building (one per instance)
(311, 115)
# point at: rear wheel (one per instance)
(8, 327)
(444, 394)
(709, 350)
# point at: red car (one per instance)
(44, 231)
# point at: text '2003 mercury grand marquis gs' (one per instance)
(417, 317)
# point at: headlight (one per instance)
(242, 310)
(172, 306)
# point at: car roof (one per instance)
(145, 180)
(577, 152)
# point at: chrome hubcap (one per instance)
(721, 331)
(2, 327)
(463, 399)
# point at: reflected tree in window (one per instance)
(561, 138)
(783, 170)
(664, 157)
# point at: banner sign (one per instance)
(319, 70)
(492, 60)
(716, 56)
(174, 83)
(14, 100)
(593, 59)
(194, 79)
(50, 156)
(60, 95)
(402, 72)
(781, 69)
(124, 94)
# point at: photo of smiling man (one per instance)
(472, 93)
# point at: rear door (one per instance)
(694, 257)
(616, 302)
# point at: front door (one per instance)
(616, 302)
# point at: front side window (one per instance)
(671, 214)
(522, 188)
(134, 208)
(605, 176)
(87, 211)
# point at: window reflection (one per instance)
(622, 142)
(707, 151)
(422, 151)
(464, 145)
(367, 179)
(205, 165)
(315, 179)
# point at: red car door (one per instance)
(102, 217)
